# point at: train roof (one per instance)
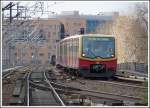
(77, 36)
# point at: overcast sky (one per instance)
(85, 7)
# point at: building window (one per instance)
(50, 26)
(55, 26)
(50, 47)
(41, 54)
(54, 33)
(49, 55)
(49, 34)
(32, 54)
(54, 46)
(24, 50)
(32, 47)
(58, 27)
(15, 54)
(23, 54)
(57, 40)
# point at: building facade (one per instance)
(72, 22)
(41, 45)
(34, 41)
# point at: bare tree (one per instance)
(141, 13)
(131, 40)
(131, 32)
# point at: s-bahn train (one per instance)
(89, 55)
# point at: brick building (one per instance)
(34, 41)
(41, 45)
(73, 23)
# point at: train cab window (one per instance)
(41, 54)
(98, 47)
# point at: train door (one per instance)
(53, 59)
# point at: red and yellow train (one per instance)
(90, 55)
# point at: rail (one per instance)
(8, 72)
(88, 92)
(28, 89)
(54, 91)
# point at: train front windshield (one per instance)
(98, 47)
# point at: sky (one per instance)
(92, 7)
(85, 7)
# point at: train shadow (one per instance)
(96, 78)
(101, 78)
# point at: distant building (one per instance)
(73, 22)
(73, 13)
(41, 45)
(34, 41)
(72, 25)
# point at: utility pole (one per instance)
(10, 17)
(25, 13)
(17, 9)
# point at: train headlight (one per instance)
(83, 54)
(112, 55)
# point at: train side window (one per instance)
(65, 50)
(61, 52)
(77, 43)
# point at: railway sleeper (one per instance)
(23, 95)
(24, 77)
(17, 89)
(64, 86)
(16, 101)
(20, 100)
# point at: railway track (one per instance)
(123, 88)
(131, 76)
(41, 92)
(87, 91)
(53, 90)
(13, 86)
(8, 72)
(124, 72)
(40, 86)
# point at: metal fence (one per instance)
(138, 67)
